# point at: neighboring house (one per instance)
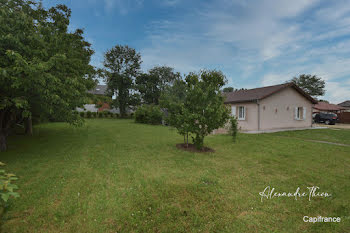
(268, 108)
(327, 107)
(88, 107)
(346, 105)
(99, 90)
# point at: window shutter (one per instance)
(233, 111)
(296, 113)
(304, 113)
(245, 113)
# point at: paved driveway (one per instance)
(336, 126)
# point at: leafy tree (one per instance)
(311, 84)
(122, 66)
(165, 75)
(172, 99)
(152, 84)
(205, 104)
(44, 69)
(148, 86)
(202, 109)
(228, 89)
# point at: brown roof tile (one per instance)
(261, 93)
(345, 104)
(324, 106)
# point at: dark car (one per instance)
(327, 118)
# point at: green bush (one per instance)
(94, 114)
(100, 114)
(233, 128)
(88, 114)
(149, 114)
(107, 114)
(116, 115)
(82, 114)
(6, 186)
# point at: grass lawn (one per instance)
(117, 176)
(329, 135)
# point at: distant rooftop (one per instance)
(99, 90)
(324, 106)
(345, 104)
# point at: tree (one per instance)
(148, 86)
(311, 84)
(228, 89)
(122, 66)
(202, 109)
(45, 69)
(157, 79)
(172, 99)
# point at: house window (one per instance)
(233, 111)
(241, 113)
(300, 113)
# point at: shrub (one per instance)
(116, 115)
(233, 128)
(149, 114)
(201, 109)
(6, 186)
(82, 114)
(88, 114)
(100, 114)
(94, 114)
(107, 113)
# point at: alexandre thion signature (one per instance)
(312, 192)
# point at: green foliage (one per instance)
(228, 89)
(200, 108)
(99, 99)
(6, 185)
(116, 115)
(311, 84)
(233, 128)
(45, 69)
(153, 83)
(100, 114)
(122, 66)
(106, 113)
(82, 114)
(88, 114)
(94, 114)
(148, 114)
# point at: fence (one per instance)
(344, 117)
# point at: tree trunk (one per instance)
(29, 126)
(3, 144)
(187, 139)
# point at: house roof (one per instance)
(255, 94)
(324, 106)
(345, 104)
(99, 90)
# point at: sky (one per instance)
(255, 43)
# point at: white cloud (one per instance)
(170, 3)
(123, 6)
(337, 92)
